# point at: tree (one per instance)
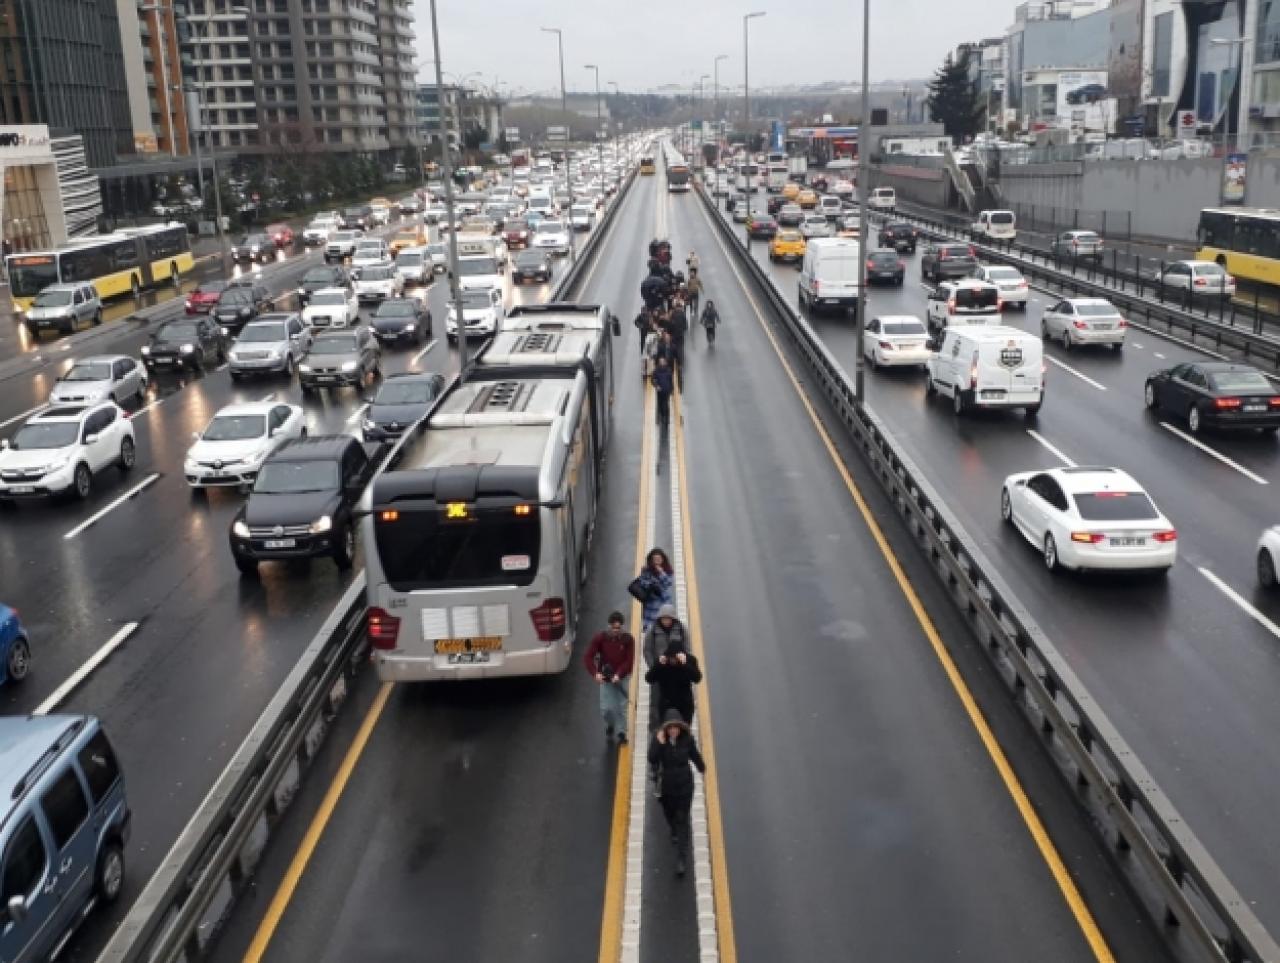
(953, 100)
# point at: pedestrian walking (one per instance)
(695, 293)
(673, 677)
(671, 752)
(609, 659)
(643, 323)
(665, 630)
(710, 319)
(663, 386)
(654, 587)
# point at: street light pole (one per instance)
(716, 119)
(859, 364)
(599, 117)
(568, 130)
(746, 117)
(446, 173)
(702, 129)
(617, 125)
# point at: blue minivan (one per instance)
(64, 823)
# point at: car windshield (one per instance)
(409, 258)
(328, 298)
(345, 236)
(980, 298)
(235, 296)
(48, 434)
(530, 259)
(368, 250)
(1096, 311)
(515, 226)
(262, 332)
(89, 371)
(904, 327)
(477, 266)
(476, 299)
(396, 309)
(884, 257)
(52, 299)
(378, 274)
(235, 428)
(550, 227)
(1002, 217)
(1087, 237)
(954, 251)
(789, 236)
(179, 331)
(255, 239)
(436, 250)
(1003, 274)
(404, 392)
(1240, 381)
(296, 477)
(1115, 507)
(211, 287)
(340, 345)
(1209, 270)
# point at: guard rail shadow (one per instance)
(1201, 915)
(191, 895)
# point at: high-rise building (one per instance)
(223, 56)
(61, 65)
(399, 82)
(162, 67)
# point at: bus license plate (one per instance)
(480, 644)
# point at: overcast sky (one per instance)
(643, 44)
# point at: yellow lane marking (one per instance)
(298, 866)
(615, 871)
(1070, 892)
(711, 781)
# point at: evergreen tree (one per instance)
(953, 100)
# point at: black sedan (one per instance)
(761, 226)
(401, 400)
(531, 265)
(185, 343)
(900, 236)
(302, 503)
(255, 247)
(239, 304)
(401, 319)
(1217, 393)
(320, 277)
(885, 266)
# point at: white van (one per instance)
(963, 302)
(829, 205)
(996, 226)
(829, 273)
(883, 199)
(988, 367)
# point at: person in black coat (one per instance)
(672, 751)
(673, 676)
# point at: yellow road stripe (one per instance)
(711, 781)
(288, 885)
(1084, 918)
(615, 871)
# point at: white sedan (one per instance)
(379, 282)
(1075, 321)
(238, 440)
(896, 340)
(815, 225)
(1013, 286)
(332, 308)
(842, 188)
(1089, 518)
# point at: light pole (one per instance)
(446, 173)
(617, 159)
(859, 388)
(702, 129)
(716, 112)
(746, 115)
(599, 139)
(568, 154)
(1246, 88)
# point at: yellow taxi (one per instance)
(791, 190)
(807, 198)
(412, 236)
(786, 245)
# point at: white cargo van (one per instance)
(996, 226)
(883, 199)
(964, 302)
(988, 367)
(829, 273)
(830, 207)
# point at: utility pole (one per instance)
(859, 388)
(746, 119)
(568, 154)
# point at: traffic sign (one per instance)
(557, 133)
(513, 135)
(1186, 124)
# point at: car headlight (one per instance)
(368, 425)
(187, 348)
(243, 312)
(305, 368)
(146, 349)
(349, 366)
(302, 292)
(240, 529)
(321, 525)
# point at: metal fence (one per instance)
(1112, 225)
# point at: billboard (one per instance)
(512, 135)
(1234, 172)
(557, 133)
(1084, 102)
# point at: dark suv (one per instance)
(323, 276)
(302, 503)
(900, 236)
(239, 305)
(942, 261)
(185, 343)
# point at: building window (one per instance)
(1161, 54)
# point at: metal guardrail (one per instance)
(191, 895)
(1201, 915)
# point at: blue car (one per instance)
(15, 647)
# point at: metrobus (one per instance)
(125, 262)
(678, 176)
(647, 165)
(748, 178)
(476, 530)
(1245, 241)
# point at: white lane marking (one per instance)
(1079, 374)
(418, 357)
(355, 415)
(1134, 344)
(1057, 454)
(1157, 354)
(267, 397)
(1235, 596)
(223, 366)
(147, 407)
(65, 346)
(26, 414)
(97, 516)
(1191, 440)
(82, 673)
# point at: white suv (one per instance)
(59, 451)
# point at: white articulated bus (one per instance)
(477, 529)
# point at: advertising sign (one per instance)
(1234, 172)
(1086, 91)
(557, 133)
(513, 135)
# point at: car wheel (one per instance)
(1149, 396)
(128, 455)
(957, 401)
(1266, 569)
(1044, 330)
(235, 375)
(82, 482)
(1006, 506)
(174, 276)
(247, 566)
(1193, 420)
(109, 876)
(135, 286)
(930, 389)
(344, 549)
(19, 661)
(1067, 342)
(288, 366)
(1050, 553)
(97, 317)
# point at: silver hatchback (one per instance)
(64, 307)
(270, 344)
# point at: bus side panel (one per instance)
(1248, 267)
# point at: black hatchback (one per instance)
(401, 400)
(900, 236)
(885, 266)
(184, 343)
(239, 305)
(401, 319)
(531, 265)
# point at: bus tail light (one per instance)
(1169, 536)
(549, 620)
(384, 629)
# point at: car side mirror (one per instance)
(195, 436)
(17, 907)
(615, 325)
(4, 444)
(91, 438)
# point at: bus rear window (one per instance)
(426, 550)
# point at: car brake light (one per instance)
(951, 306)
(1201, 282)
(1275, 402)
(1079, 324)
(1226, 402)
(1123, 323)
(384, 629)
(972, 251)
(973, 376)
(1169, 536)
(549, 620)
(902, 265)
(887, 345)
(1022, 284)
(1089, 538)
(1230, 279)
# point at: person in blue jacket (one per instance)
(658, 580)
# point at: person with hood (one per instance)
(663, 386)
(671, 752)
(653, 291)
(710, 318)
(609, 659)
(665, 631)
(657, 582)
(673, 677)
(643, 322)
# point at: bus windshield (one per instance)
(29, 274)
(491, 546)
